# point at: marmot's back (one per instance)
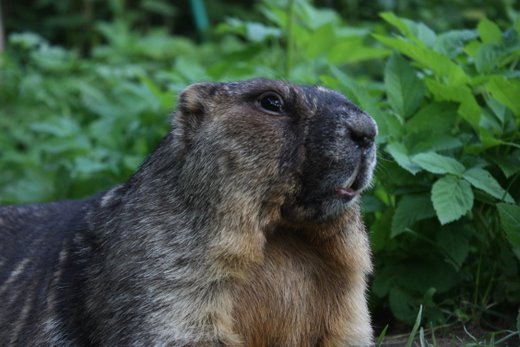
(37, 265)
(241, 228)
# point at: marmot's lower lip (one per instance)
(350, 181)
(346, 193)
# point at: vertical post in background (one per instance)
(2, 40)
(200, 15)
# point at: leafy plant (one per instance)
(443, 214)
(451, 128)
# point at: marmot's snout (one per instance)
(340, 156)
(362, 130)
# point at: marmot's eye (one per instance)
(271, 102)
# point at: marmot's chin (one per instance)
(322, 210)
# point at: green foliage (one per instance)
(457, 129)
(443, 214)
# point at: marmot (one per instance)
(241, 229)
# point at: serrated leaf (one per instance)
(510, 219)
(59, 127)
(401, 305)
(400, 154)
(486, 58)
(481, 179)
(396, 22)
(405, 90)
(489, 32)
(422, 32)
(321, 41)
(455, 243)
(357, 52)
(427, 57)
(438, 164)
(258, 32)
(429, 141)
(506, 91)
(410, 209)
(452, 42)
(436, 117)
(380, 232)
(416, 31)
(469, 108)
(508, 163)
(452, 198)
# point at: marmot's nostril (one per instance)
(363, 132)
(363, 141)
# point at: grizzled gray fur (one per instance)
(241, 229)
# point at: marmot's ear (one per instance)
(195, 99)
(193, 106)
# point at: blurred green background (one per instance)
(86, 88)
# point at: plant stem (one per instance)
(290, 44)
(477, 284)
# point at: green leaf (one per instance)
(422, 32)
(508, 163)
(417, 32)
(257, 32)
(410, 209)
(26, 40)
(438, 164)
(452, 42)
(510, 219)
(401, 305)
(454, 241)
(397, 22)
(469, 108)
(482, 179)
(489, 32)
(59, 127)
(405, 90)
(400, 154)
(452, 198)
(435, 117)
(380, 232)
(162, 8)
(358, 51)
(428, 58)
(486, 58)
(321, 41)
(506, 91)
(425, 141)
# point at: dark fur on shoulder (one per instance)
(241, 229)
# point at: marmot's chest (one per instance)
(288, 300)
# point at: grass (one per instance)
(450, 335)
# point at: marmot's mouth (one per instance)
(348, 189)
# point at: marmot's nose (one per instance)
(363, 130)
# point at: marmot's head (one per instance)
(307, 150)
